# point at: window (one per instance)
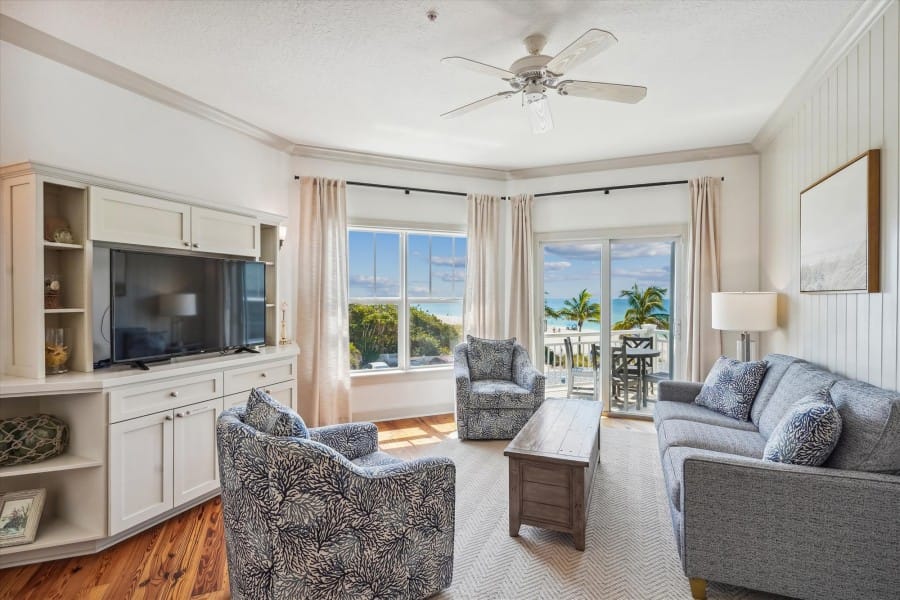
(405, 317)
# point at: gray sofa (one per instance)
(805, 532)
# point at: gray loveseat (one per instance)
(806, 532)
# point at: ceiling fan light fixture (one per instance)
(538, 108)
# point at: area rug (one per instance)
(630, 549)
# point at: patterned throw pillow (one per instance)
(490, 359)
(807, 433)
(731, 387)
(266, 415)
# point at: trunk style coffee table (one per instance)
(551, 467)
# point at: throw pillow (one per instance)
(731, 387)
(267, 415)
(490, 359)
(807, 433)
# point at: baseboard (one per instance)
(389, 414)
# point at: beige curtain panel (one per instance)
(521, 284)
(322, 316)
(704, 344)
(484, 298)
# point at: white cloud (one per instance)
(449, 261)
(575, 251)
(640, 249)
(559, 265)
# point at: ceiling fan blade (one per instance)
(478, 67)
(614, 92)
(589, 45)
(456, 112)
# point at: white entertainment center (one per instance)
(141, 443)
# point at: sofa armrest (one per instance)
(679, 391)
(808, 532)
(351, 440)
(461, 370)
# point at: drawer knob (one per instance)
(179, 414)
(168, 417)
(187, 244)
(263, 374)
(174, 394)
(268, 391)
(196, 245)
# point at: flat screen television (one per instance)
(166, 305)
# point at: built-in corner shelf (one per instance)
(55, 531)
(62, 311)
(62, 246)
(64, 462)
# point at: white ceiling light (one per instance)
(538, 108)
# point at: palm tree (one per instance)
(580, 309)
(644, 306)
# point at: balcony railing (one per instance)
(555, 368)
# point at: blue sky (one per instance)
(435, 265)
(572, 267)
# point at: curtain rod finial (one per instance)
(296, 177)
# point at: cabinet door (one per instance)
(133, 219)
(140, 470)
(284, 392)
(228, 233)
(196, 468)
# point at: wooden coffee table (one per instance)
(551, 467)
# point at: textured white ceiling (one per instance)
(365, 75)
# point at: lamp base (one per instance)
(744, 345)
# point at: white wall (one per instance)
(57, 115)
(854, 108)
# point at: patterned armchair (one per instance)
(326, 515)
(497, 389)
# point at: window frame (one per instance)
(404, 300)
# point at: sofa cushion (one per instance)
(673, 470)
(268, 416)
(499, 393)
(376, 459)
(778, 366)
(870, 440)
(807, 433)
(731, 387)
(800, 380)
(689, 434)
(490, 359)
(667, 410)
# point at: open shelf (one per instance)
(55, 531)
(64, 462)
(61, 246)
(62, 311)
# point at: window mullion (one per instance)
(403, 320)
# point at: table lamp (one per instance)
(745, 312)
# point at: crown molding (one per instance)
(849, 35)
(43, 44)
(629, 162)
(61, 174)
(397, 162)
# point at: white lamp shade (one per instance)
(745, 311)
(178, 305)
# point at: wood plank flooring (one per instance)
(184, 558)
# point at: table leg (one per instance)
(515, 489)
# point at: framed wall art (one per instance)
(840, 227)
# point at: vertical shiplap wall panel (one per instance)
(854, 108)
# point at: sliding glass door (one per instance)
(610, 310)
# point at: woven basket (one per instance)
(26, 440)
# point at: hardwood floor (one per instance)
(185, 556)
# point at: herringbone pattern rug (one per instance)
(630, 551)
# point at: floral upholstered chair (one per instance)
(321, 513)
(497, 388)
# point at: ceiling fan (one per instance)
(536, 73)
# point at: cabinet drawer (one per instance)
(259, 376)
(284, 392)
(137, 400)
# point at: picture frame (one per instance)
(840, 225)
(20, 514)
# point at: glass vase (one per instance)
(56, 352)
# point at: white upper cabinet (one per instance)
(126, 218)
(132, 219)
(227, 233)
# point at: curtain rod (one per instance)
(604, 189)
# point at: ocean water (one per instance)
(452, 313)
